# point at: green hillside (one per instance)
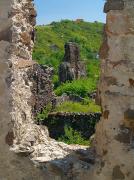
(49, 50)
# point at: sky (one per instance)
(55, 10)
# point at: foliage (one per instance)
(49, 50)
(86, 107)
(93, 69)
(79, 87)
(73, 137)
(55, 81)
(44, 113)
(50, 40)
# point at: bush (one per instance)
(79, 87)
(55, 81)
(73, 137)
(93, 69)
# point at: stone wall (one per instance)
(114, 133)
(42, 89)
(12, 166)
(81, 122)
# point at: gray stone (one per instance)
(72, 67)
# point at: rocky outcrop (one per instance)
(72, 97)
(65, 98)
(72, 67)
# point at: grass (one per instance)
(78, 107)
(50, 41)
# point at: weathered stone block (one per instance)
(113, 5)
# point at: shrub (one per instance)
(79, 87)
(73, 137)
(55, 81)
(93, 69)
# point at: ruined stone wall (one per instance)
(11, 166)
(114, 133)
(81, 122)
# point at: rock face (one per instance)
(42, 89)
(26, 151)
(72, 67)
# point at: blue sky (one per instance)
(55, 10)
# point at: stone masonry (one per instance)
(81, 122)
(12, 101)
(26, 150)
(42, 89)
(114, 133)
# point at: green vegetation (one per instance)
(73, 137)
(79, 87)
(49, 46)
(87, 107)
(49, 50)
(44, 114)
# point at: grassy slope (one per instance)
(49, 49)
(87, 35)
